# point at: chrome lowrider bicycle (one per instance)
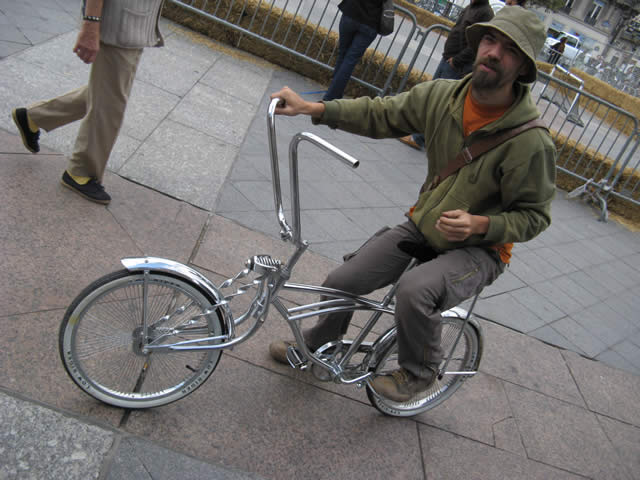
(154, 332)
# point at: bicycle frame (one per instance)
(272, 278)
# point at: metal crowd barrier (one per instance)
(322, 17)
(597, 141)
(423, 60)
(573, 115)
(444, 8)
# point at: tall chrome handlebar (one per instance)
(288, 233)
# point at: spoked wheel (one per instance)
(101, 339)
(465, 357)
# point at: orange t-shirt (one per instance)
(474, 117)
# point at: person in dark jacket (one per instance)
(557, 49)
(358, 29)
(457, 57)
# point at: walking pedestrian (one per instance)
(112, 36)
(357, 30)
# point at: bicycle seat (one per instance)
(420, 251)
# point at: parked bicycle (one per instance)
(152, 333)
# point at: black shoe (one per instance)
(92, 190)
(29, 138)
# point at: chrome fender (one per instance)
(462, 313)
(202, 283)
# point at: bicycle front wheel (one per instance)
(465, 358)
(102, 342)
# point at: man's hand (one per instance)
(458, 225)
(292, 104)
(88, 42)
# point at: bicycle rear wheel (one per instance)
(465, 357)
(100, 339)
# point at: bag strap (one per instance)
(473, 151)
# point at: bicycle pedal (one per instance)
(264, 264)
(295, 358)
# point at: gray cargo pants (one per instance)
(423, 292)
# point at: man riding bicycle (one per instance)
(466, 218)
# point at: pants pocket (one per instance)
(480, 269)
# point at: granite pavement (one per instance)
(558, 388)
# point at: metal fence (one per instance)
(303, 28)
(597, 141)
(443, 8)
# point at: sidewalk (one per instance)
(190, 181)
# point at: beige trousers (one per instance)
(100, 104)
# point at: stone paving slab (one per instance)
(31, 366)
(606, 390)
(555, 433)
(50, 248)
(65, 447)
(259, 421)
(137, 459)
(533, 411)
(584, 340)
(551, 336)
(450, 457)
(525, 361)
(626, 440)
(177, 66)
(29, 22)
(163, 160)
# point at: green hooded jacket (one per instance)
(513, 184)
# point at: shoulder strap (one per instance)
(483, 145)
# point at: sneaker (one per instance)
(408, 140)
(401, 385)
(29, 139)
(92, 190)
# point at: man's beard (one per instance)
(483, 80)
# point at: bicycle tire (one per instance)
(466, 357)
(100, 337)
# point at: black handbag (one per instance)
(386, 18)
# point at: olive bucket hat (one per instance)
(520, 25)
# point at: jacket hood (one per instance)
(522, 26)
